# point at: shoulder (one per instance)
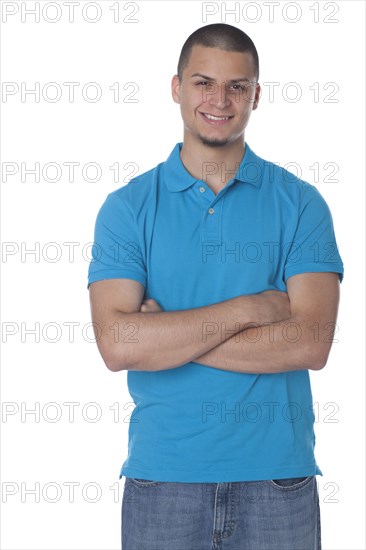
(139, 191)
(280, 181)
(137, 187)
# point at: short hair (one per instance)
(222, 36)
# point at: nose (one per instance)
(219, 96)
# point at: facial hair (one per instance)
(213, 142)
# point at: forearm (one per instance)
(293, 344)
(165, 340)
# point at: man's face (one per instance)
(219, 84)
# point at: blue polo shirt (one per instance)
(191, 248)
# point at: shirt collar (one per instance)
(177, 177)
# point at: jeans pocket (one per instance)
(291, 482)
(144, 482)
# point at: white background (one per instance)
(37, 289)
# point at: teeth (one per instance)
(216, 117)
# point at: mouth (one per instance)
(216, 120)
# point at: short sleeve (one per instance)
(116, 251)
(314, 247)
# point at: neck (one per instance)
(216, 166)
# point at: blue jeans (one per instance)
(278, 514)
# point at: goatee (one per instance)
(213, 142)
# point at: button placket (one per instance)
(211, 222)
(211, 214)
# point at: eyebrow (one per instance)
(244, 79)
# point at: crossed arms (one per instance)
(268, 332)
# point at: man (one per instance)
(215, 284)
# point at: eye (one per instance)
(238, 87)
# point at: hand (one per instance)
(150, 306)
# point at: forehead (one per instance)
(215, 62)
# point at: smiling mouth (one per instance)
(216, 118)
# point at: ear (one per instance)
(176, 89)
(256, 97)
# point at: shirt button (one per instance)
(202, 189)
(211, 210)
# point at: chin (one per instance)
(214, 142)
